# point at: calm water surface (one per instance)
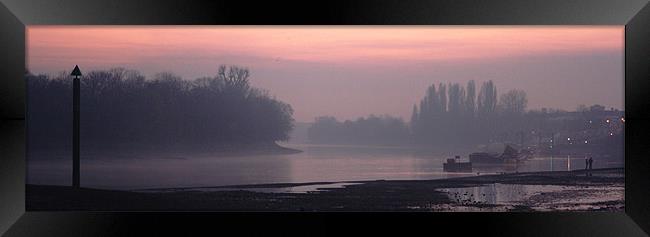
(316, 163)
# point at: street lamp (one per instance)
(76, 73)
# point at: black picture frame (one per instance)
(16, 14)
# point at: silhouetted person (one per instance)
(591, 162)
(586, 163)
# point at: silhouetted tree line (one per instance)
(455, 115)
(452, 115)
(375, 130)
(121, 107)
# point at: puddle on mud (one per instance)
(498, 193)
(503, 197)
(294, 189)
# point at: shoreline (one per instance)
(493, 177)
(376, 195)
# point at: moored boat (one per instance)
(453, 165)
(509, 155)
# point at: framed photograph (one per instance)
(519, 118)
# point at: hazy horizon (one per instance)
(349, 72)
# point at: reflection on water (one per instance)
(566, 163)
(315, 164)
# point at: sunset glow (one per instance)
(313, 54)
(342, 45)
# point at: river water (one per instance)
(315, 164)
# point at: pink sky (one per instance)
(355, 71)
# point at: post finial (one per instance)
(76, 72)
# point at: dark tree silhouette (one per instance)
(121, 108)
(375, 130)
(513, 103)
(470, 120)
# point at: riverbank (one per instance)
(538, 191)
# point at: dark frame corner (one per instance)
(16, 14)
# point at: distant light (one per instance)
(585, 141)
(623, 119)
(607, 121)
(590, 121)
(611, 134)
(568, 139)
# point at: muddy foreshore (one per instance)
(572, 191)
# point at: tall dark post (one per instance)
(76, 73)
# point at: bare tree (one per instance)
(513, 102)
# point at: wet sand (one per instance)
(534, 191)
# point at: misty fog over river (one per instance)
(317, 163)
